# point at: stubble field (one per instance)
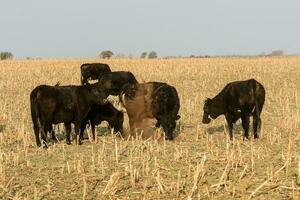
(199, 164)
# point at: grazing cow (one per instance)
(113, 82)
(62, 104)
(99, 113)
(238, 99)
(93, 71)
(152, 100)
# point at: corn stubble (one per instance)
(199, 164)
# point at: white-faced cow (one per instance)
(238, 99)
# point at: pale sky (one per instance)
(79, 29)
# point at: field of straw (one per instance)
(199, 164)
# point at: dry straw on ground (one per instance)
(199, 164)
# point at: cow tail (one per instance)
(35, 114)
(256, 98)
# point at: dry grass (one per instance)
(198, 164)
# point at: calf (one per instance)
(152, 100)
(238, 99)
(93, 71)
(62, 104)
(99, 113)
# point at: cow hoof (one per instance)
(256, 137)
(169, 138)
(68, 142)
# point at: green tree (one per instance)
(106, 54)
(152, 55)
(144, 55)
(6, 55)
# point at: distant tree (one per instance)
(277, 53)
(144, 55)
(152, 55)
(6, 55)
(106, 54)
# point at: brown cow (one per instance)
(152, 100)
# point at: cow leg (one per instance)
(245, 124)
(77, 129)
(52, 130)
(44, 137)
(47, 127)
(230, 125)
(68, 133)
(37, 131)
(132, 124)
(256, 124)
(82, 128)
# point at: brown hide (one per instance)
(141, 119)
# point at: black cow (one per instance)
(152, 100)
(113, 82)
(93, 71)
(62, 104)
(99, 113)
(238, 99)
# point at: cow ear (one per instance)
(207, 100)
(177, 117)
(57, 84)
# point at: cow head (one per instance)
(210, 110)
(169, 125)
(106, 84)
(127, 92)
(100, 94)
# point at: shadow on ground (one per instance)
(99, 131)
(237, 129)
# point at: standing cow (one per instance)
(152, 100)
(93, 71)
(238, 99)
(99, 113)
(62, 104)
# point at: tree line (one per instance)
(108, 54)
(5, 55)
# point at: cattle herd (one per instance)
(87, 104)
